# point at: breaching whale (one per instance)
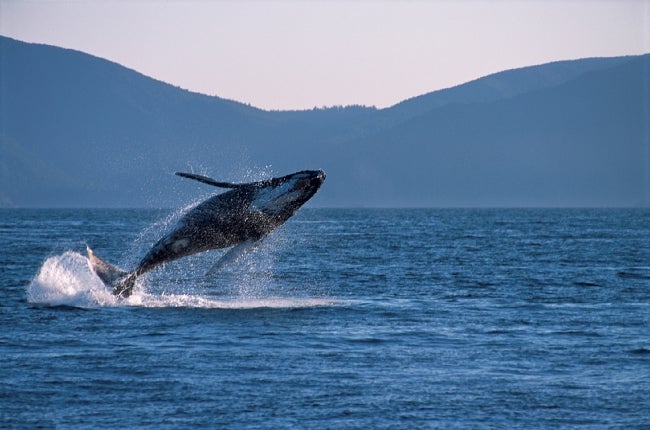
(240, 218)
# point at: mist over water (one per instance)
(342, 318)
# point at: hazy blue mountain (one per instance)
(583, 142)
(506, 84)
(77, 130)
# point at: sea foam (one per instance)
(67, 280)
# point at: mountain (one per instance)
(583, 142)
(77, 130)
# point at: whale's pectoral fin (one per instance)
(234, 254)
(207, 180)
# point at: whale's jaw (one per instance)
(288, 193)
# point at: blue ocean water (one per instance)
(342, 319)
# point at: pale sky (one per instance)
(300, 54)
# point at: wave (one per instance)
(68, 280)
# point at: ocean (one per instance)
(344, 318)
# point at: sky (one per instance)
(304, 54)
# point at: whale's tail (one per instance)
(120, 281)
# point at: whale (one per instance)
(239, 219)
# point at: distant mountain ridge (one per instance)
(77, 131)
(507, 84)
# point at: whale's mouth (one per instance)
(312, 183)
(320, 178)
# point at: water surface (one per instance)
(343, 318)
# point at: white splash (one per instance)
(196, 301)
(67, 280)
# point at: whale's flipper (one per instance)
(208, 181)
(121, 281)
(234, 254)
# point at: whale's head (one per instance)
(281, 197)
